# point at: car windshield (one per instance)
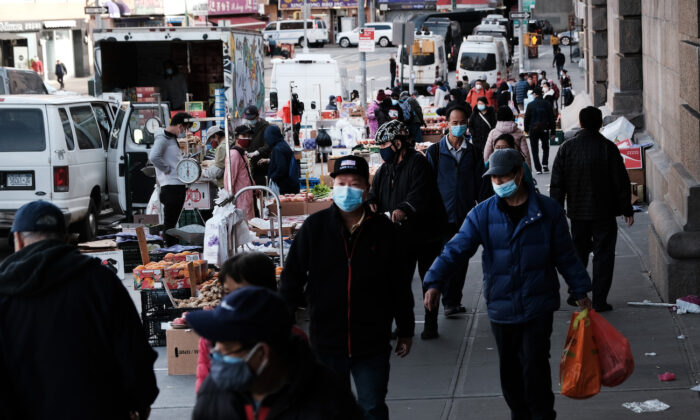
(473, 61)
(491, 33)
(22, 130)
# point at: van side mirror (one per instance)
(313, 104)
(273, 100)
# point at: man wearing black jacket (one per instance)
(71, 342)
(343, 262)
(405, 189)
(540, 125)
(258, 151)
(589, 174)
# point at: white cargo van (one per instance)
(53, 148)
(497, 31)
(314, 77)
(483, 56)
(429, 60)
(292, 32)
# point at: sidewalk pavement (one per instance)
(456, 376)
(77, 85)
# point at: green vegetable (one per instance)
(321, 191)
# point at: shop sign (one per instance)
(232, 7)
(366, 43)
(20, 26)
(59, 24)
(406, 4)
(317, 4)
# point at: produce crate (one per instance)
(152, 324)
(132, 254)
(157, 301)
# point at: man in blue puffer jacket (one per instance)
(526, 241)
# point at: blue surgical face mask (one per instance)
(182, 135)
(387, 154)
(481, 107)
(233, 373)
(506, 189)
(169, 72)
(251, 122)
(348, 199)
(458, 130)
(394, 102)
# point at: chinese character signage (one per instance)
(406, 4)
(316, 4)
(232, 7)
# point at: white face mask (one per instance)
(477, 87)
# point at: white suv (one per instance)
(53, 148)
(383, 34)
(292, 32)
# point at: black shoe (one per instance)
(603, 308)
(451, 311)
(571, 301)
(545, 169)
(430, 331)
(539, 172)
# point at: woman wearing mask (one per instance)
(548, 95)
(371, 113)
(238, 176)
(481, 122)
(506, 141)
(505, 124)
(475, 93)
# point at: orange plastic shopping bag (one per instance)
(614, 352)
(579, 370)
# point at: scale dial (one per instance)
(152, 125)
(188, 171)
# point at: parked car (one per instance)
(53, 148)
(383, 34)
(568, 37)
(292, 32)
(20, 81)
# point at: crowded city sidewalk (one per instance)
(456, 376)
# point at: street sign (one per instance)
(366, 43)
(528, 4)
(95, 10)
(519, 15)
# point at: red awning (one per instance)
(241, 22)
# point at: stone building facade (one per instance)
(643, 62)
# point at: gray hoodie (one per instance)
(165, 156)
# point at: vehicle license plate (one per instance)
(19, 180)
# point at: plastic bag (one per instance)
(579, 369)
(154, 206)
(614, 352)
(618, 130)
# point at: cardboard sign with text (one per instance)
(197, 197)
(183, 350)
(632, 157)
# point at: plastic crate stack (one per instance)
(156, 309)
(132, 254)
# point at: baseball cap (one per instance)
(503, 161)
(351, 165)
(251, 112)
(39, 216)
(251, 313)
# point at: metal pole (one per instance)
(363, 56)
(403, 49)
(373, 9)
(411, 79)
(521, 45)
(304, 17)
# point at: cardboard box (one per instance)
(636, 176)
(113, 259)
(289, 208)
(146, 219)
(632, 157)
(147, 279)
(314, 206)
(183, 351)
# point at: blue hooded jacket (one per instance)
(281, 156)
(520, 262)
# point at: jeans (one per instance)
(393, 80)
(59, 78)
(371, 376)
(526, 378)
(598, 236)
(535, 137)
(173, 199)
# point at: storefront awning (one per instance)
(242, 22)
(4, 36)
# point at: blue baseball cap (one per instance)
(39, 216)
(251, 313)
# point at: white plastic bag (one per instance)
(618, 130)
(154, 205)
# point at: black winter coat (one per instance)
(312, 392)
(353, 288)
(410, 186)
(539, 116)
(257, 143)
(479, 129)
(71, 342)
(589, 173)
(281, 156)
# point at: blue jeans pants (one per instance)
(371, 376)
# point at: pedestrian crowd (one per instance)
(72, 346)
